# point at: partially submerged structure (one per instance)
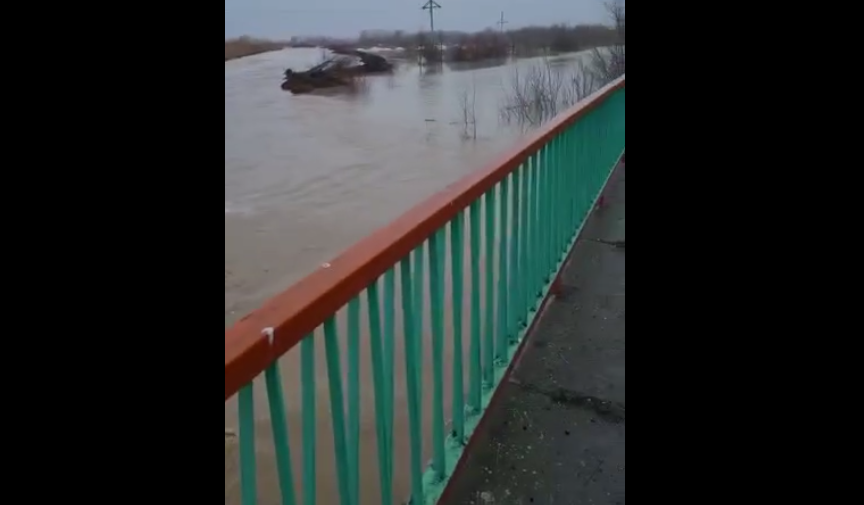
(340, 70)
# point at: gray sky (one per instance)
(285, 18)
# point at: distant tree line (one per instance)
(461, 46)
(486, 44)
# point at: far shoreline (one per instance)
(247, 46)
(478, 46)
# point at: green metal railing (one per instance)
(485, 252)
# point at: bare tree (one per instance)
(607, 64)
(467, 103)
(543, 90)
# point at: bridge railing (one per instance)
(509, 228)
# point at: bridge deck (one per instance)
(556, 435)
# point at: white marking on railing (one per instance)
(268, 332)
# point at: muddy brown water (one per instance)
(306, 177)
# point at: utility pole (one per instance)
(501, 22)
(431, 5)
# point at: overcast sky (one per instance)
(285, 18)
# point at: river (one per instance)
(307, 176)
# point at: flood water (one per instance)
(307, 176)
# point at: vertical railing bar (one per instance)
(516, 275)
(611, 127)
(530, 231)
(337, 407)
(307, 381)
(571, 168)
(574, 161)
(408, 319)
(596, 118)
(584, 176)
(457, 249)
(602, 141)
(560, 204)
(546, 217)
(279, 425)
(379, 376)
(575, 179)
(587, 176)
(608, 137)
(592, 166)
(571, 171)
(524, 241)
(537, 230)
(603, 118)
(555, 167)
(503, 265)
(543, 200)
(563, 192)
(555, 203)
(248, 470)
(476, 366)
(389, 357)
(489, 329)
(596, 163)
(436, 302)
(578, 178)
(550, 212)
(570, 186)
(419, 285)
(566, 189)
(596, 142)
(561, 197)
(591, 173)
(585, 170)
(354, 398)
(556, 198)
(541, 214)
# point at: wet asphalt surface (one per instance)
(556, 436)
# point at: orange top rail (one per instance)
(298, 311)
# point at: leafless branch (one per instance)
(467, 103)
